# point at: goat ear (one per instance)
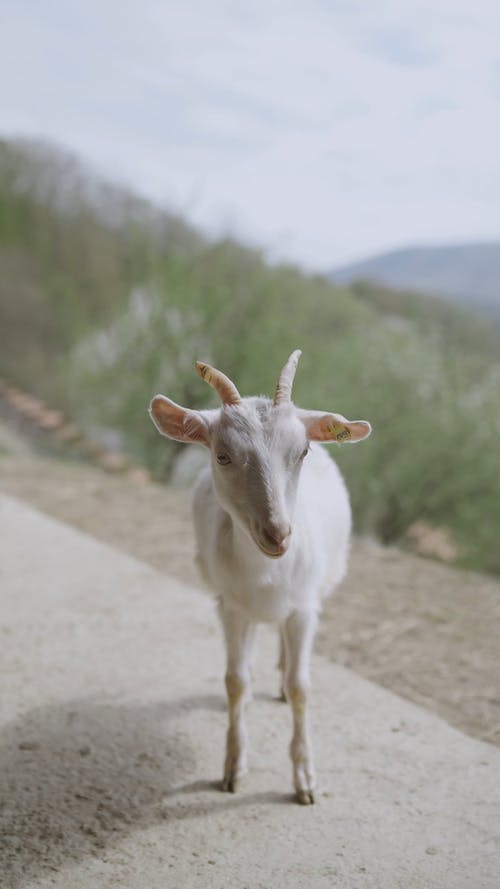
(178, 422)
(333, 427)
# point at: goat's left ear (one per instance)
(333, 427)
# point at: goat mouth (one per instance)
(275, 553)
(271, 553)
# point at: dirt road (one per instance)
(425, 631)
(112, 732)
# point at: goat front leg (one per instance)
(239, 635)
(298, 635)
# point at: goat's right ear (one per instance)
(178, 422)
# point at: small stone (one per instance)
(113, 461)
(28, 745)
(70, 433)
(51, 420)
(139, 475)
(431, 850)
(92, 449)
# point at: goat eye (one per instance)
(223, 459)
(304, 453)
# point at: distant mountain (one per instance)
(468, 274)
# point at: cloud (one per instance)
(400, 46)
(322, 129)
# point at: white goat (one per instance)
(272, 521)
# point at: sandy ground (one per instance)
(419, 628)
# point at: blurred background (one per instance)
(230, 181)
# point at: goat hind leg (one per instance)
(282, 667)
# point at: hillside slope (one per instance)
(72, 247)
(105, 300)
(468, 274)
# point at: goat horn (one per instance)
(225, 388)
(284, 385)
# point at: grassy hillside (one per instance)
(71, 249)
(105, 300)
(467, 274)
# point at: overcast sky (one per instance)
(322, 130)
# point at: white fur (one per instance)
(264, 589)
(272, 521)
(250, 586)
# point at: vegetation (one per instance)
(105, 300)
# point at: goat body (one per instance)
(272, 522)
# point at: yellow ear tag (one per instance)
(338, 431)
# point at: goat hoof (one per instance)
(282, 696)
(305, 797)
(230, 784)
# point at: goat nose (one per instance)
(278, 534)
